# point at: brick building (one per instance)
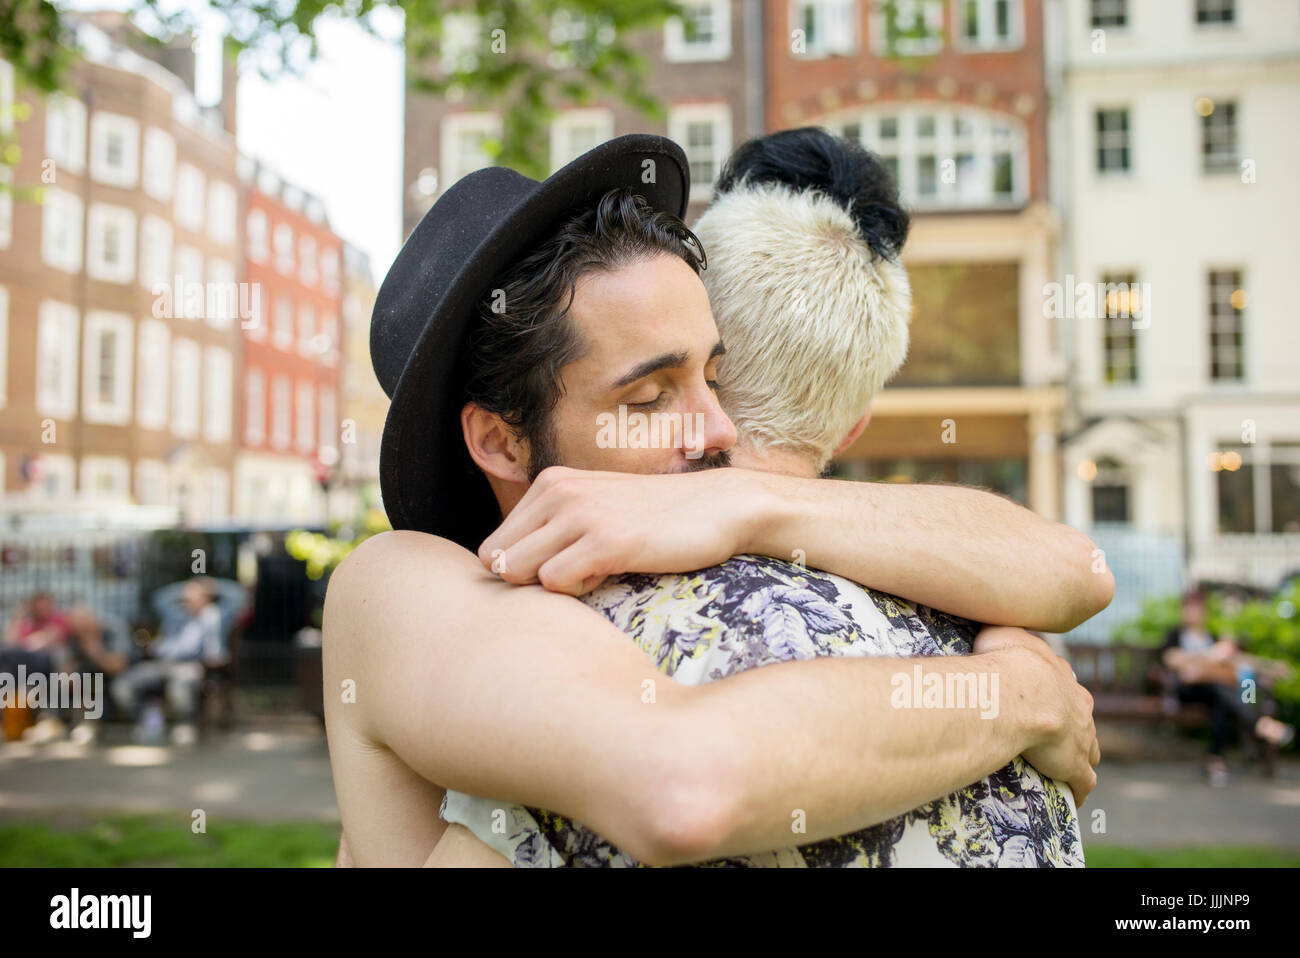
(706, 75)
(118, 287)
(289, 403)
(954, 98)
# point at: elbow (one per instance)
(1094, 583)
(690, 819)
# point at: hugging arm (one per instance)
(964, 551)
(529, 697)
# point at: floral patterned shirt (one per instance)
(752, 611)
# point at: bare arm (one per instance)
(539, 700)
(965, 551)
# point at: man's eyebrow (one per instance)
(664, 361)
(640, 370)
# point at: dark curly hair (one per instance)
(809, 158)
(524, 336)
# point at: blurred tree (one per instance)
(519, 57)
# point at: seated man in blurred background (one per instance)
(176, 665)
(37, 641)
(1210, 671)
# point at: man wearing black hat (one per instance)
(448, 676)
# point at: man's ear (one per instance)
(854, 433)
(493, 446)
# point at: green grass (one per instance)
(142, 841)
(1214, 856)
(159, 840)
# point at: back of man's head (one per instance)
(803, 239)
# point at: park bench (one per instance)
(1130, 683)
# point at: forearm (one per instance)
(961, 550)
(837, 744)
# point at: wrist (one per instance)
(1033, 719)
(762, 516)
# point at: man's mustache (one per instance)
(716, 460)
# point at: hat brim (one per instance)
(427, 479)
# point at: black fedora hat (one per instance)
(428, 304)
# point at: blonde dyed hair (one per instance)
(814, 322)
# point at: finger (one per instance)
(519, 564)
(1094, 756)
(575, 571)
(530, 514)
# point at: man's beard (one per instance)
(542, 453)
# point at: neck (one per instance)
(786, 462)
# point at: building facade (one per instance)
(1178, 239)
(364, 404)
(293, 349)
(702, 71)
(119, 294)
(952, 96)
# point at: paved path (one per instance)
(282, 774)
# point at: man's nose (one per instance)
(719, 433)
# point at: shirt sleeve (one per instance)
(508, 829)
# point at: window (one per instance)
(221, 213)
(61, 230)
(152, 368)
(114, 149)
(307, 273)
(306, 329)
(461, 37)
(329, 270)
(189, 197)
(151, 482)
(57, 340)
(56, 477)
(222, 301)
(327, 340)
(1218, 136)
(188, 302)
(105, 478)
(1110, 492)
(1215, 12)
(282, 332)
(280, 412)
(106, 387)
(1112, 141)
(1109, 13)
(329, 424)
(990, 24)
(575, 132)
(908, 28)
(1226, 318)
(464, 143)
(703, 32)
(185, 388)
(110, 254)
(256, 319)
(217, 387)
(306, 409)
(577, 38)
(827, 27)
(1119, 338)
(254, 407)
(1258, 488)
(65, 133)
(159, 174)
(704, 132)
(217, 483)
(155, 253)
(284, 248)
(944, 158)
(258, 239)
